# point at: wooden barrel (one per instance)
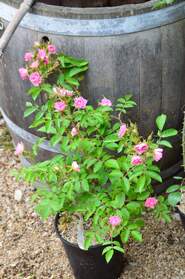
(131, 48)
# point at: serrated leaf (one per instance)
(74, 71)
(169, 133)
(109, 255)
(29, 111)
(165, 143)
(119, 249)
(125, 236)
(55, 139)
(106, 249)
(115, 174)
(173, 188)
(154, 175)
(126, 184)
(85, 185)
(112, 164)
(137, 236)
(174, 198)
(72, 81)
(141, 184)
(160, 121)
(97, 166)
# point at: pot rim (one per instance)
(91, 12)
(66, 241)
(180, 212)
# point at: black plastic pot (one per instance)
(182, 216)
(91, 264)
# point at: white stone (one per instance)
(18, 195)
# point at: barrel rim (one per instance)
(27, 136)
(90, 13)
(99, 27)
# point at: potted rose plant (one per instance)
(100, 185)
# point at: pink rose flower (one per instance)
(75, 166)
(74, 132)
(23, 73)
(141, 148)
(122, 130)
(19, 149)
(136, 160)
(52, 49)
(28, 56)
(46, 60)
(64, 92)
(114, 220)
(151, 202)
(35, 78)
(69, 93)
(158, 154)
(105, 102)
(34, 64)
(41, 54)
(80, 103)
(60, 106)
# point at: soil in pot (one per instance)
(91, 3)
(87, 264)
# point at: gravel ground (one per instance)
(29, 248)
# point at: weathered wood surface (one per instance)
(8, 33)
(150, 64)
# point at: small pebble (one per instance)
(18, 195)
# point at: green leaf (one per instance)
(109, 255)
(74, 71)
(35, 92)
(46, 87)
(126, 185)
(112, 164)
(115, 174)
(165, 143)
(143, 196)
(75, 61)
(174, 198)
(72, 81)
(173, 188)
(60, 79)
(154, 175)
(55, 139)
(125, 236)
(106, 249)
(119, 249)
(98, 166)
(160, 121)
(137, 236)
(133, 206)
(119, 201)
(141, 184)
(178, 177)
(125, 216)
(29, 111)
(85, 185)
(88, 241)
(169, 133)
